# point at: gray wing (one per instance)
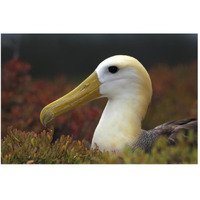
(169, 129)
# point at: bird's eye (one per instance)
(113, 69)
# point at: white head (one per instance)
(123, 76)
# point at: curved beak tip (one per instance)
(46, 117)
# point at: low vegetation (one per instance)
(24, 139)
(30, 148)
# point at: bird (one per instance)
(125, 82)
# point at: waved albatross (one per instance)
(127, 85)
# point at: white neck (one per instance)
(129, 93)
(120, 125)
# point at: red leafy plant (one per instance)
(174, 93)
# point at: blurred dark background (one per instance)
(77, 55)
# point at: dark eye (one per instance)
(113, 69)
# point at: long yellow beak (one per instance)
(88, 90)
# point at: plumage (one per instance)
(169, 129)
(127, 85)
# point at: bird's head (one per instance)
(118, 76)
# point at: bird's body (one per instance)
(127, 85)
